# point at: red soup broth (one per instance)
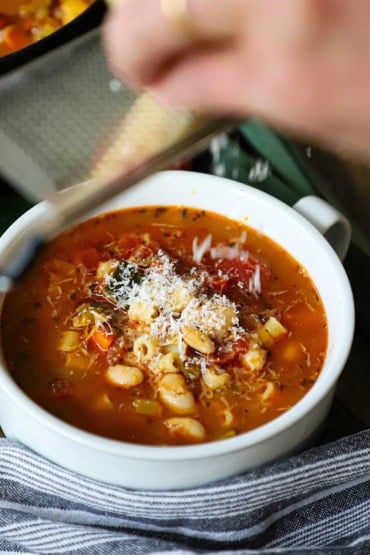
(165, 326)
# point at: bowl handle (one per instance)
(328, 221)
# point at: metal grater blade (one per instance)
(55, 114)
(146, 130)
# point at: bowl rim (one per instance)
(325, 382)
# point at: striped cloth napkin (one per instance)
(315, 502)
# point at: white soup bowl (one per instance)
(148, 467)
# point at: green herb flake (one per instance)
(125, 276)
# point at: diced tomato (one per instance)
(103, 340)
(236, 269)
(240, 346)
(218, 283)
(232, 271)
(3, 22)
(14, 38)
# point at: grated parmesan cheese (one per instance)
(260, 171)
(254, 284)
(229, 253)
(180, 302)
(217, 146)
(200, 250)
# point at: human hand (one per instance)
(303, 65)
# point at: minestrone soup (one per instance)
(165, 326)
(23, 22)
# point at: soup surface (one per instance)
(23, 22)
(165, 326)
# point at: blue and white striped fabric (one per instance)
(316, 502)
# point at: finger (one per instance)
(141, 41)
(211, 82)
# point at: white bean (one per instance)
(124, 376)
(198, 340)
(186, 428)
(175, 395)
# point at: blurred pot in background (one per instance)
(66, 24)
